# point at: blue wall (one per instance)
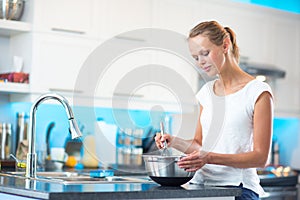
(287, 5)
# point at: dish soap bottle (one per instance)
(275, 153)
(89, 158)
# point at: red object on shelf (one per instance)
(16, 77)
(7, 164)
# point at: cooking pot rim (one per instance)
(162, 156)
(149, 157)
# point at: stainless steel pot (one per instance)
(11, 9)
(165, 171)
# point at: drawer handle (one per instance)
(68, 31)
(65, 90)
(128, 95)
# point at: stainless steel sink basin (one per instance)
(79, 178)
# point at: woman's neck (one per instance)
(231, 79)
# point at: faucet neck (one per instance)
(31, 156)
(32, 120)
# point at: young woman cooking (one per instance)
(241, 108)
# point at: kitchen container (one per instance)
(129, 147)
(8, 140)
(21, 126)
(11, 9)
(137, 137)
(3, 140)
(165, 171)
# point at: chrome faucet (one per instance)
(74, 130)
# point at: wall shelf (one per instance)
(14, 87)
(9, 28)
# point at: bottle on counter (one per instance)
(3, 140)
(21, 130)
(21, 126)
(8, 141)
(275, 153)
(89, 158)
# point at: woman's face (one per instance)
(209, 57)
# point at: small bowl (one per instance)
(13, 9)
(165, 171)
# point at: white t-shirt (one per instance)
(227, 127)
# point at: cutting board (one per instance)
(105, 135)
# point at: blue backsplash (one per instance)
(86, 117)
(287, 133)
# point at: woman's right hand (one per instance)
(159, 139)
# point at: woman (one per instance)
(234, 128)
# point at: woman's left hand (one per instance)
(193, 161)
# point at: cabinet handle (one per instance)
(128, 95)
(65, 90)
(68, 31)
(135, 39)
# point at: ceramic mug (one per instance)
(58, 154)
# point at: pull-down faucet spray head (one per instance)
(74, 129)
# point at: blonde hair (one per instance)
(216, 33)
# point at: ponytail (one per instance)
(235, 48)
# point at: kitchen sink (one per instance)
(79, 178)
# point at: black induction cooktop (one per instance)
(277, 177)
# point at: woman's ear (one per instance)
(226, 45)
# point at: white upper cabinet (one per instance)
(120, 78)
(78, 17)
(285, 54)
(175, 79)
(175, 15)
(251, 26)
(57, 60)
(121, 16)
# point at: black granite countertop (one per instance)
(150, 190)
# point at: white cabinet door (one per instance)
(285, 50)
(250, 26)
(125, 15)
(121, 78)
(175, 80)
(175, 15)
(66, 16)
(57, 61)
